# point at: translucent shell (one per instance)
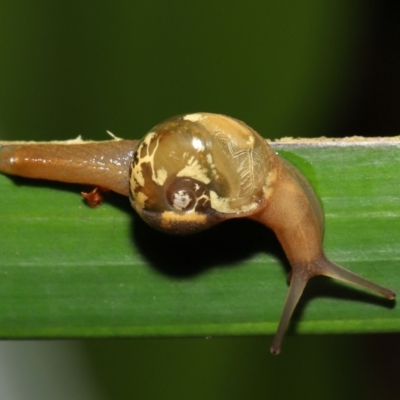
(193, 171)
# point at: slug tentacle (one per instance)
(302, 273)
(194, 171)
(298, 282)
(332, 270)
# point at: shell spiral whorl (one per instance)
(193, 171)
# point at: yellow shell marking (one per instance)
(194, 170)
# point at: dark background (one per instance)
(287, 69)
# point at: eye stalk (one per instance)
(192, 172)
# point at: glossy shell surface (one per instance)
(198, 168)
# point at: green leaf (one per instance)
(71, 271)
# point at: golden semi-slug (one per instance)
(192, 172)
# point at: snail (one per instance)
(192, 172)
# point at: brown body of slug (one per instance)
(192, 172)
